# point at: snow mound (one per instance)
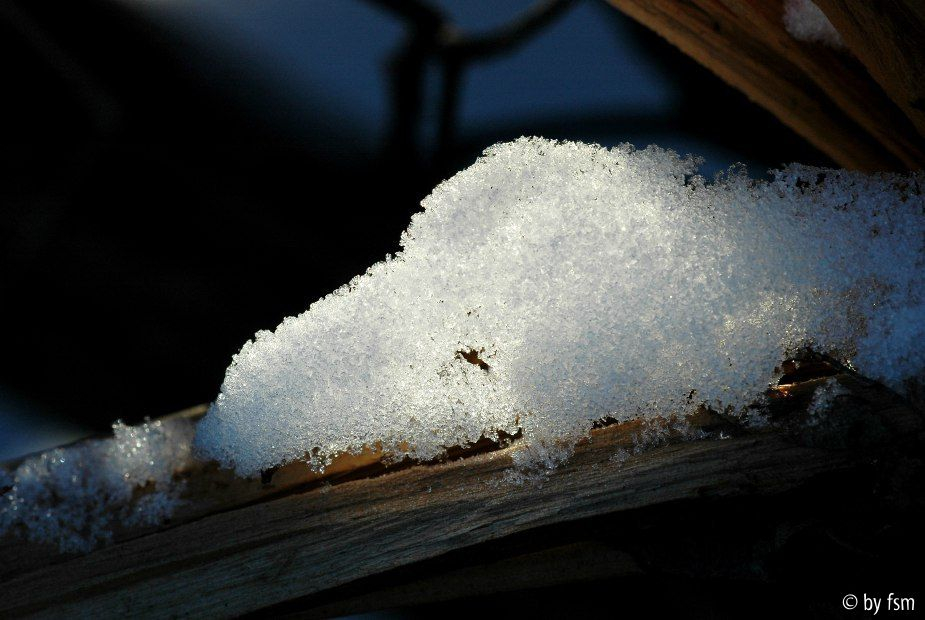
(555, 283)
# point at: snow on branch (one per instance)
(553, 284)
(549, 286)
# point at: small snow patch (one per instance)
(73, 497)
(806, 22)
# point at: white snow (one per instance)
(74, 496)
(549, 285)
(806, 22)
(553, 284)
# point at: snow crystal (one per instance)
(621, 456)
(806, 22)
(553, 284)
(73, 496)
(824, 400)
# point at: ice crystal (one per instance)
(74, 496)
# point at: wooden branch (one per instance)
(888, 37)
(245, 546)
(825, 95)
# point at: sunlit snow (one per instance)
(549, 285)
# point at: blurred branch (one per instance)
(434, 38)
(508, 36)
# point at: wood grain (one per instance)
(248, 552)
(888, 37)
(825, 95)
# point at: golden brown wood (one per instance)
(825, 95)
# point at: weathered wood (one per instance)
(825, 95)
(248, 546)
(889, 38)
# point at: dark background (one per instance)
(176, 176)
